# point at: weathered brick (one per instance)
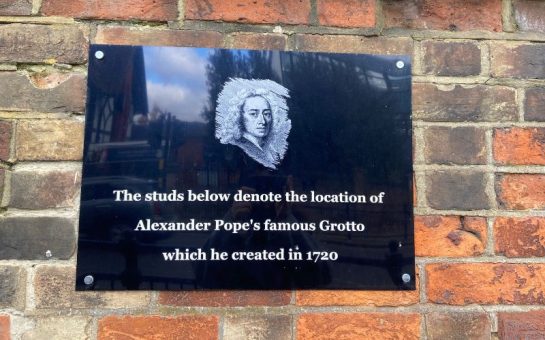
(530, 15)
(353, 44)
(2, 177)
(458, 145)
(461, 103)
(120, 35)
(349, 326)
(457, 190)
(452, 15)
(259, 41)
(5, 139)
(60, 327)
(449, 236)
(28, 238)
(12, 287)
(54, 289)
(451, 58)
(152, 10)
(520, 191)
(19, 94)
(190, 327)
(49, 140)
(520, 237)
(250, 11)
(16, 7)
(42, 190)
(517, 60)
(4, 327)
(42, 43)
(225, 298)
(534, 103)
(486, 283)
(347, 13)
(525, 325)
(257, 327)
(519, 146)
(357, 298)
(377, 298)
(474, 326)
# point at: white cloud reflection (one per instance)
(176, 80)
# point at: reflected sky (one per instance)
(176, 81)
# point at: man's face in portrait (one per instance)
(257, 116)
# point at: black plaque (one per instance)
(242, 169)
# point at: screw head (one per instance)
(406, 278)
(400, 64)
(88, 280)
(48, 253)
(99, 55)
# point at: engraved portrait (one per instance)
(253, 115)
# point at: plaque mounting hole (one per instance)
(88, 280)
(400, 64)
(99, 55)
(406, 278)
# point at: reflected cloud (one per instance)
(176, 81)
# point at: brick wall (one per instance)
(479, 126)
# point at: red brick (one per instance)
(520, 191)
(5, 139)
(153, 10)
(523, 326)
(459, 103)
(519, 146)
(350, 326)
(474, 326)
(250, 11)
(16, 7)
(520, 237)
(358, 297)
(449, 236)
(121, 35)
(347, 13)
(516, 60)
(451, 58)
(534, 103)
(259, 41)
(4, 327)
(190, 327)
(530, 15)
(486, 283)
(353, 44)
(452, 15)
(225, 298)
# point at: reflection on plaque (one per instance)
(242, 169)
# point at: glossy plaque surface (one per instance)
(239, 169)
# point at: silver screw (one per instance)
(88, 280)
(99, 55)
(48, 254)
(406, 278)
(400, 64)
